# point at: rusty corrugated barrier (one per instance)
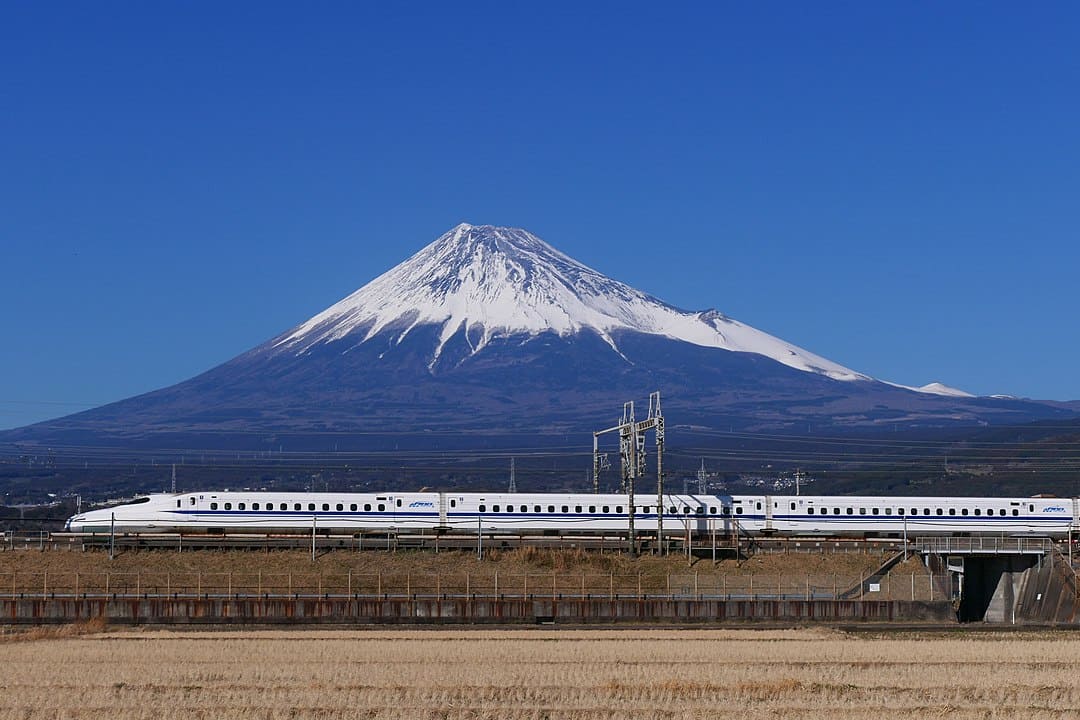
(460, 610)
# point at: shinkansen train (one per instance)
(555, 514)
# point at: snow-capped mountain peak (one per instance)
(496, 282)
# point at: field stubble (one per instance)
(527, 675)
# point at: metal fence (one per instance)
(984, 545)
(914, 586)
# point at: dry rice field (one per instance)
(533, 674)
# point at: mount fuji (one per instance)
(491, 330)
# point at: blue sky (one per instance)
(892, 186)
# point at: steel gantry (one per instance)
(632, 438)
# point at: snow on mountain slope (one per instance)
(495, 282)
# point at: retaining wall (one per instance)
(461, 611)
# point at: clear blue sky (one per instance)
(895, 186)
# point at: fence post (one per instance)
(350, 582)
(45, 584)
(76, 586)
(138, 583)
(198, 584)
(106, 583)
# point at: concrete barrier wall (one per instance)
(1047, 595)
(461, 611)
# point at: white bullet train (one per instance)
(546, 513)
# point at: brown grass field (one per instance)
(522, 571)
(533, 674)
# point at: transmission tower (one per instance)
(632, 434)
(513, 482)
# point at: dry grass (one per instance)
(527, 570)
(571, 675)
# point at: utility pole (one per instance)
(174, 479)
(513, 482)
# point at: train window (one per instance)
(339, 507)
(850, 511)
(510, 508)
(524, 508)
(1031, 508)
(577, 508)
(191, 500)
(1015, 512)
(712, 510)
(836, 511)
(283, 506)
(536, 508)
(888, 511)
(606, 508)
(241, 506)
(382, 508)
(875, 511)
(254, 506)
(228, 506)
(494, 508)
(926, 511)
(483, 508)
(964, 511)
(727, 510)
(566, 508)
(367, 507)
(177, 503)
(296, 506)
(675, 511)
(759, 506)
(939, 511)
(352, 507)
(792, 506)
(699, 510)
(1001, 512)
(551, 508)
(978, 512)
(952, 511)
(326, 507)
(685, 509)
(399, 503)
(738, 510)
(592, 508)
(618, 509)
(213, 506)
(862, 511)
(311, 506)
(453, 503)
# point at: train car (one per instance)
(547, 513)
